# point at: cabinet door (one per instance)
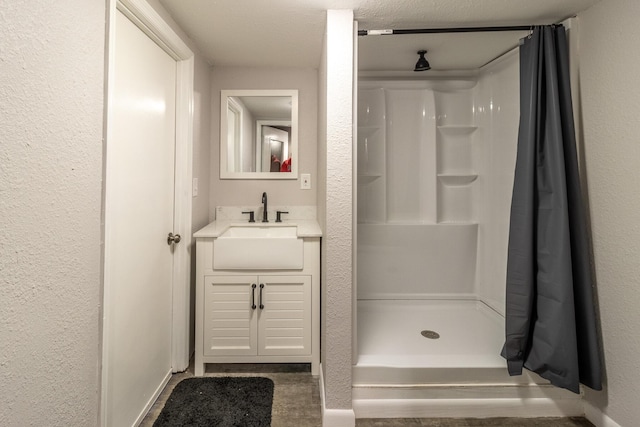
(284, 325)
(230, 321)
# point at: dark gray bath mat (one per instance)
(219, 402)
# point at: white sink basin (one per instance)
(259, 247)
(259, 232)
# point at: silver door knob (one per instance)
(173, 238)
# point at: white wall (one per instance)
(416, 261)
(201, 155)
(51, 120)
(497, 114)
(322, 178)
(337, 209)
(229, 192)
(201, 141)
(609, 39)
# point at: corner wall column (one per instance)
(337, 242)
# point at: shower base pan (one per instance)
(401, 373)
(389, 334)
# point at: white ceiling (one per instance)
(289, 33)
(272, 107)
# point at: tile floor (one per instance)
(296, 402)
(296, 395)
(475, 422)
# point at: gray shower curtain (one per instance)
(550, 313)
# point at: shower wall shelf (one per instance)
(456, 157)
(457, 130)
(367, 178)
(457, 180)
(371, 152)
(452, 222)
(366, 131)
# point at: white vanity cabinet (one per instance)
(264, 315)
(256, 316)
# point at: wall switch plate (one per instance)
(194, 187)
(305, 181)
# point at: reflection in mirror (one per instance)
(274, 145)
(258, 133)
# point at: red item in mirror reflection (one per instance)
(286, 165)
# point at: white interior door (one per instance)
(139, 214)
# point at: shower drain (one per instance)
(432, 335)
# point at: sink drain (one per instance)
(432, 335)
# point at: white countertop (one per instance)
(305, 227)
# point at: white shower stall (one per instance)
(435, 167)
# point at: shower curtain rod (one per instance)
(444, 30)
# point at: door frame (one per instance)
(150, 22)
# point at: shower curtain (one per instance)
(550, 313)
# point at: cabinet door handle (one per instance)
(253, 296)
(261, 288)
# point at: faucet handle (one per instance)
(278, 213)
(251, 217)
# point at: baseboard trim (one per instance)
(467, 408)
(597, 417)
(153, 399)
(334, 417)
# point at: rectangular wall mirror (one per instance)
(259, 134)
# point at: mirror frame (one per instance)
(224, 96)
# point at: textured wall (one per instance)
(337, 239)
(609, 38)
(225, 192)
(51, 118)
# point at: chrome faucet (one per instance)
(264, 207)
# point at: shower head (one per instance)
(422, 64)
